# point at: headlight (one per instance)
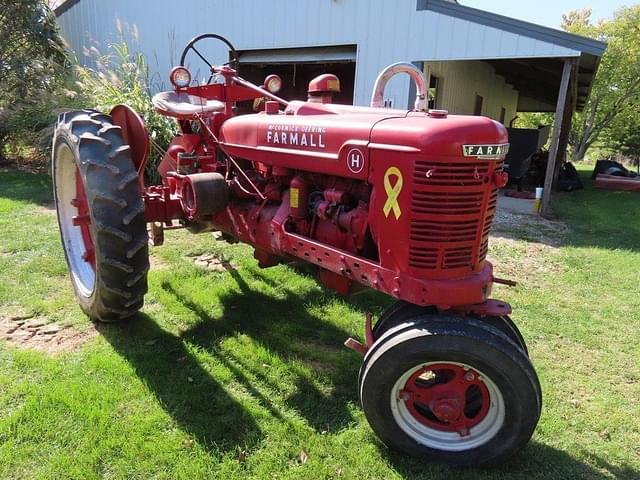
(273, 83)
(180, 77)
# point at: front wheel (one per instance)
(450, 389)
(100, 215)
(401, 312)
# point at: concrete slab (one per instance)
(516, 205)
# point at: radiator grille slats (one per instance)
(457, 174)
(452, 208)
(434, 202)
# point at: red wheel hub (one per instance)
(446, 397)
(83, 221)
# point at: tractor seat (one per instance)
(184, 106)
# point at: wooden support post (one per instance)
(569, 110)
(554, 152)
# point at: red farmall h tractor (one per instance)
(398, 201)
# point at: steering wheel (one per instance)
(233, 63)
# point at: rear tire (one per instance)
(100, 215)
(450, 416)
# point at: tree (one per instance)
(31, 50)
(32, 73)
(623, 137)
(616, 90)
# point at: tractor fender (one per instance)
(134, 134)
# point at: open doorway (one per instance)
(432, 95)
(296, 77)
(298, 66)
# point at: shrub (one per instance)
(31, 69)
(26, 126)
(121, 76)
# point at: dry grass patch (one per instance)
(526, 247)
(529, 227)
(37, 333)
(212, 262)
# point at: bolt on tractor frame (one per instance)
(400, 201)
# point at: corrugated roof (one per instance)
(64, 7)
(520, 27)
(533, 77)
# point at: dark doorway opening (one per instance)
(477, 109)
(433, 92)
(296, 77)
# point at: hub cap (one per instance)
(447, 405)
(83, 221)
(75, 221)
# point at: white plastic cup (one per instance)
(539, 193)
(538, 201)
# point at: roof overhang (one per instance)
(536, 77)
(64, 6)
(273, 56)
(537, 80)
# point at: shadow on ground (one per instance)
(583, 218)
(199, 404)
(26, 187)
(202, 407)
(601, 218)
(535, 462)
(186, 391)
(285, 327)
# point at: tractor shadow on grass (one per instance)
(285, 328)
(536, 462)
(200, 404)
(185, 390)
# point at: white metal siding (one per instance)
(384, 32)
(461, 81)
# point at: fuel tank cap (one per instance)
(271, 107)
(438, 113)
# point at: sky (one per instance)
(546, 12)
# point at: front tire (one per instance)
(450, 389)
(100, 215)
(400, 312)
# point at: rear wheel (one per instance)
(450, 389)
(100, 215)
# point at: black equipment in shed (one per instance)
(524, 142)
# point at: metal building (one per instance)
(475, 62)
(367, 34)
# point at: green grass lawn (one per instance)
(241, 373)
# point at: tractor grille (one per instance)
(450, 174)
(452, 209)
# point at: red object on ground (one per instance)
(613, 182)
(516, 194)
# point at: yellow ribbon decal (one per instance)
(393, 192)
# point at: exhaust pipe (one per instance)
(377, 98)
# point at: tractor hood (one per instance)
(338, 139)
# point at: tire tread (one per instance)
(116, 206)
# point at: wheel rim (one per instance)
(447, 406)
(75, 221)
